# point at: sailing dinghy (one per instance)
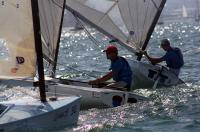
(131, 23)
(27, 25)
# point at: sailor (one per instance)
(173, 57)
(120, 71)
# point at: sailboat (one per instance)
(130, 23)
(27, 26)
(184, 12)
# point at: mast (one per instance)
(197, 11)
(38, 48)
(58, 42)
(152, 28)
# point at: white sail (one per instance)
(50, 21)
(129, 21)
(70, 21)
(18, 38)
(16, 31)
(184, 11)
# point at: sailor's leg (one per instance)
(117, 85)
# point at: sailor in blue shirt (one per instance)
(173, 57)
(120, 71)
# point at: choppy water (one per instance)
(169, 109)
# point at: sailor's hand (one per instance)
(93, 82)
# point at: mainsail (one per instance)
(16, 31)
(131, 22)
(51, 13)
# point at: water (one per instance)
(169, 109)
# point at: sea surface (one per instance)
(173, 109)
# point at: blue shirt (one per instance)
(121, 70)
(174, 58)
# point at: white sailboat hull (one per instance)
(145, 75)
(32, 114)
(95, 97)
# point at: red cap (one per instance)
(111, 49)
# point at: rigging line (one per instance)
(87, 32)
(69, 67)
(154, 3)
(53, 1)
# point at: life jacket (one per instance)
(180, 56)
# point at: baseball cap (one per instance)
(110, 49)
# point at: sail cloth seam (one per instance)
(87, 32)
(53, 21)
(132, 14)
(47, 31)
(106, 14)
(108, 11)
(137, 39)
(130, 48)
(155, 4)
(131, 21)
(53, 1)
(50, 49)
(109, 18)
(126, 24)
(145, 19)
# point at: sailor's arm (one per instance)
(152, 60)
(102, 79)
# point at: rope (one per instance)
(88, 33)
(89, 75)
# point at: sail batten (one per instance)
(126, 20)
